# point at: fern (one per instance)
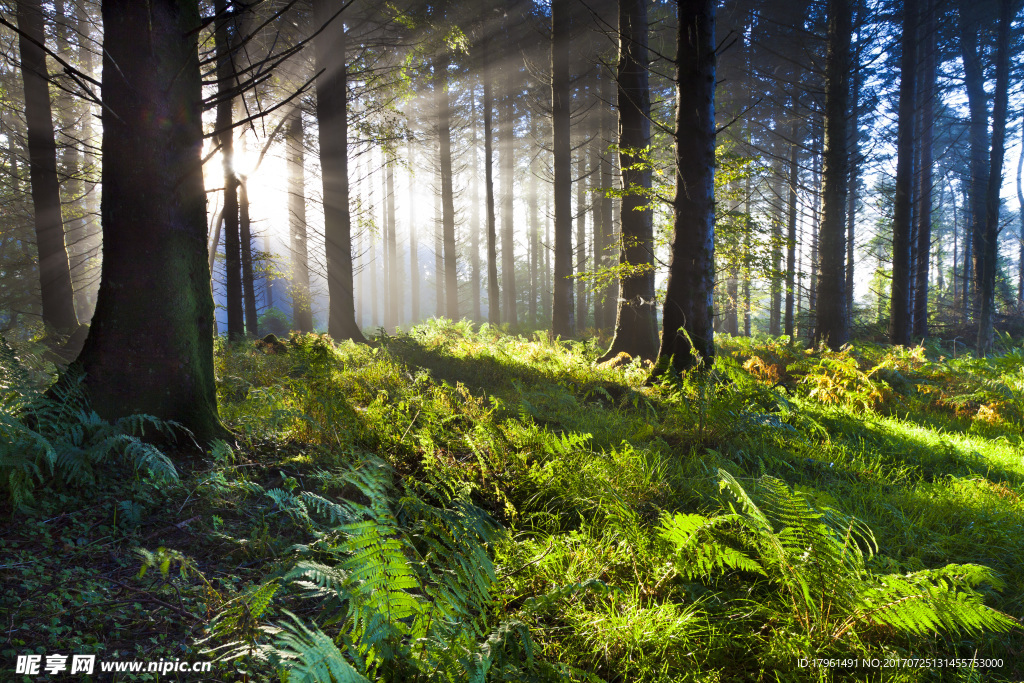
(815, 562)
(58, 436)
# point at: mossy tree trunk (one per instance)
(302, 313)
(150, 346)
(563, 314)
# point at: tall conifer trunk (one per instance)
(900, 322)
(54, 266)
(563, 315)
(332, 120)
(833, 323)
(150, 345)
(635, 323)
(688, 337)
(302, 313)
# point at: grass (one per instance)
(766, 462)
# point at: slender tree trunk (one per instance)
(832, 325)
(332, 119)
(92, 244)
(414, 256)
(748, 238)
(990, 241)
(794, 180)
(974, 82)
(1020, 204)
(474, 212)
(775, 314)
(851, 196)
(535, 255)
(248, 276)
(150, 345)
(610, 292)
(302, 312)
(444, 133)
(598, 225)
(928, 46)
(232, 237)
(394, 285)
(507, 144)
(563, 322)
(636, 320)
(900, 312)
(493, 293)
(439, 302)
(54, 267)
(688, 338)
(581, 238)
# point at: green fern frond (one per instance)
(313, 656)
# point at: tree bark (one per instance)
(444, 134)
(794, 181)
(493, 292)
(900, 311)
(332, 120)
(636, 320)
(150, 345)
(54, 267)
(832, 325)
(394, 286)
(563, 318)
(507, 144)
(302, 313)
(474, 212)
(928, 45)
(581, 238)
(990, 241)
(248, 276)
(232, 238)
(414, 256)
(610, 292)
(687, 338)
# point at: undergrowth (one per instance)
(461, 504)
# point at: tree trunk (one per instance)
(302, 312)
(794, 180)
(610, 292)
(581, 238)
(507, 144)
(977, 102)
(394, 286)
(414, 256)
(150, 345)
(1020, 210)
(474, 212)
(775, 286)
(928, 46)
(535, 255)
(899, 321)
(563, 319)
(832, 325)
(636, 330)
(688, 337)
(493, 293)
(597, 231)
(54, 267)
(332, 120)
(248, 276)
(987, 282)
(232, 237)
(444, 134)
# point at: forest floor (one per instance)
(457, 503)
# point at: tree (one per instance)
(332, 120)
(54, 267)
(150, 345)
(302, 313)
(688, 333)
(563, 319)
(900, 311)
(636, 331)
(444, 134)
(833, 322)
